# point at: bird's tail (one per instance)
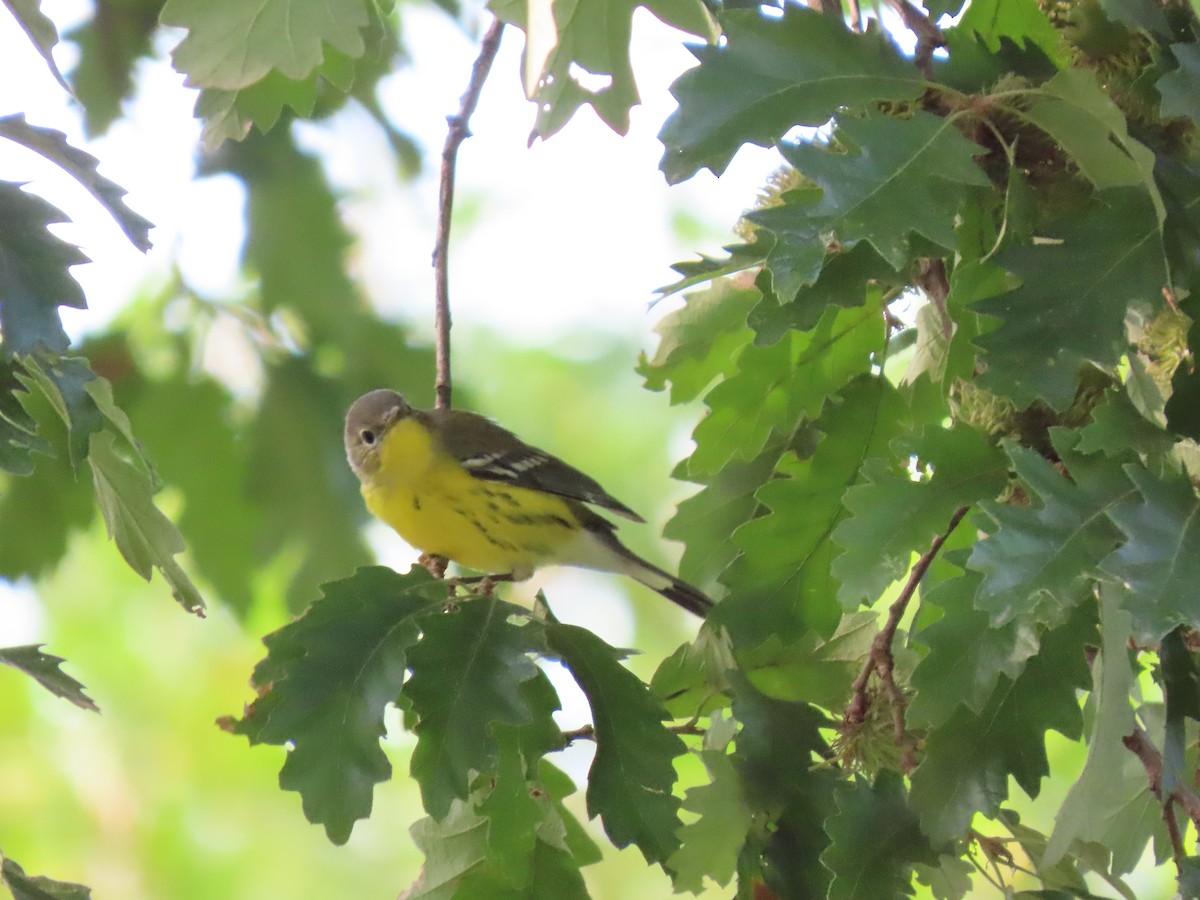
(674, 589)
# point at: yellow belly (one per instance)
(438, 507)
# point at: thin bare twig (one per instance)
(929, 36)
(459, 132)
(1140, 745)
(880, 660)
(582, 733)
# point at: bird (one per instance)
(455, 484)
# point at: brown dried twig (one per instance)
(929, 36)
(881, 661)
(459, 132)
(1140, 745)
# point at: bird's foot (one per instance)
(482, 585)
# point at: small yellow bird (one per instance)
(457, 485)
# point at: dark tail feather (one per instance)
(691, 599)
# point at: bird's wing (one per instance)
(492, 453)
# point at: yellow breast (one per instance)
(438, 507)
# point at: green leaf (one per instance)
(630, 781)
(770, 74)
(232, 45)
(592, 35)
(453, 847)
(894, 515)
(110, 45)
(46, 670)
(694, 675)
(812, 670)
(776, 386)
(781, 759)
(19, 436)
(874, 841)
(1118, 428)
(39, 887)
(513, 815)
(969, 758)
(704, 521)
(1180, 89)
(1144, 14)
(967, 654)
(1158, 563)
(699, 341)
(1079, 282)
(467, 673)
(782, 583)
(83, 167)
(849, 278)
(1109, 803)
(742, 256)
(1073, 109)
(326, 681)
(35, 279)
(895, 177)
(1181, 693)
(40, 30)
(710, 845)
(1036, 563)
(1022, 21)
(64, 382)
(145, 537)
(185, 424)
(949, 880)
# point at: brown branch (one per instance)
(582, 733)
(929, 36)
(1140, 745)
(459, 132)
(880, 659)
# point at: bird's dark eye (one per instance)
(368, 436)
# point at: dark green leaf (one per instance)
(694, 272)
(1180, 89)
(40, 30)
(894, 516)
(46, 670)
(1144, 14)
(968, 759)
(1181, 692)
(324, 685)
(1038, 560)
(630, 782)
(770, 74)
(895, 177)
(967, 654)
(1189, 878)
(874, 841)
(64, 382)
(34, 273)
(782, 583)
(710, 845)
(513, 815)
(467, 673)
(1078, 285)
(84, 168)
(1160, 560)
(39, 887)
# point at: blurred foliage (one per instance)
(1027, 433)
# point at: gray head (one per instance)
(368, 419)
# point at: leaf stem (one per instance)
(458, 132)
